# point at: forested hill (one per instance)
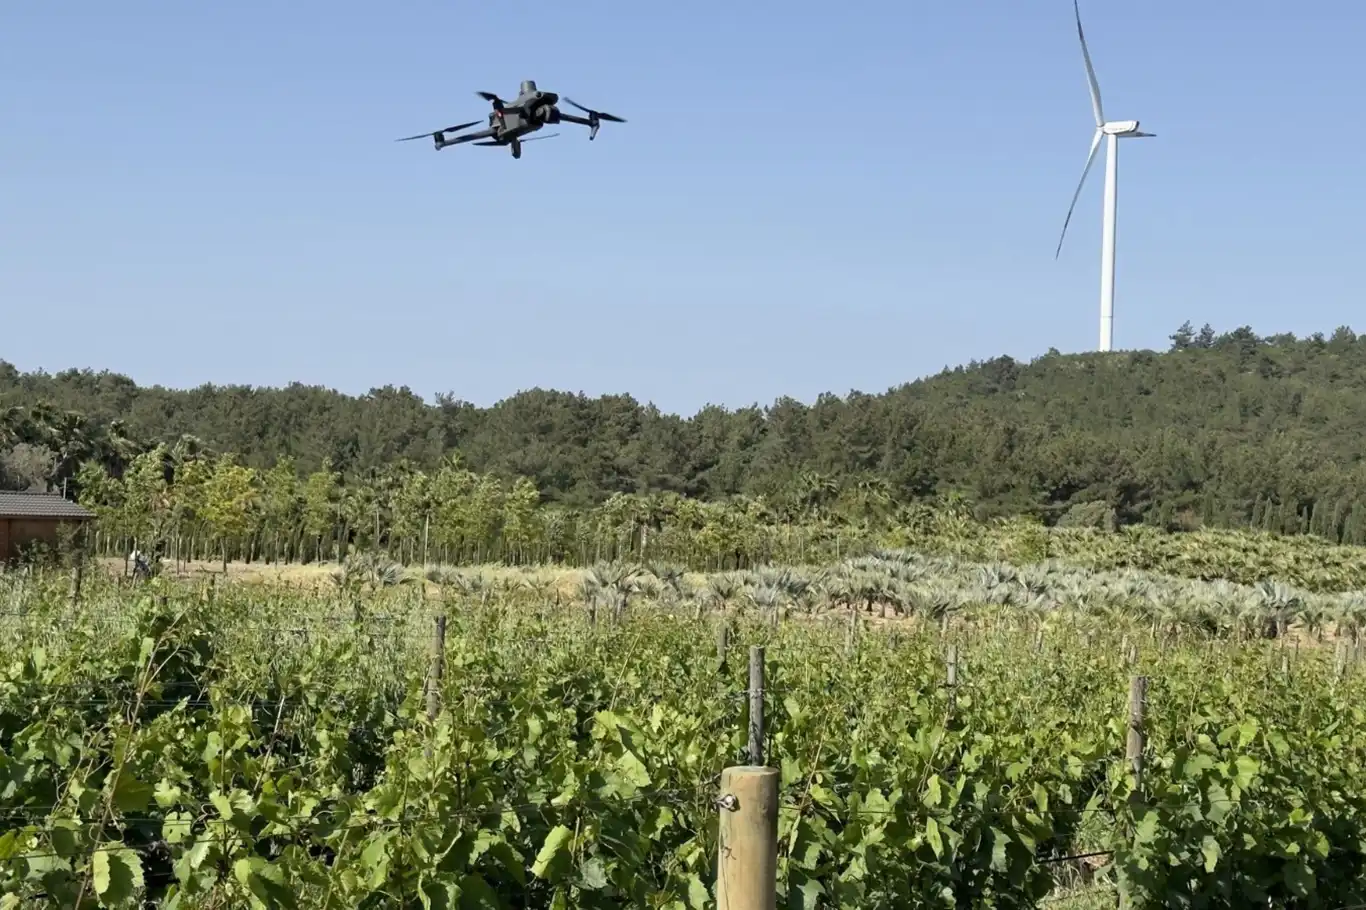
(1228, 429)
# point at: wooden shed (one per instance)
(28, 518)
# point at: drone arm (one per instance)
(593, 123)
(439, 133)
(470, 137)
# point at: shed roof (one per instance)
(41, 505)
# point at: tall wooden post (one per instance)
(1133, 749)
(1138, 697)
(953, 678)
(756, 706)
(438, 669)
(76, 583)
(747, 857)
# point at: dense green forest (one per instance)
(1230, 429)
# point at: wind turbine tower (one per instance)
(1111, 131)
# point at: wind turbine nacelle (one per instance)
(1120, 127)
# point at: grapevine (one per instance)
(269, 746)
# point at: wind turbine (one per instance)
(1112, 131)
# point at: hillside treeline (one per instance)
(1230, 429)
(216, 508)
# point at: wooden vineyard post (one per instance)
(953, 678)
(76, 584)
(756, 706)
(722, 645)
(438, 667)
(1133, 752)
(747, 855)
(437, 671)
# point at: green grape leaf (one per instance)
(555, 847)
(116, 874)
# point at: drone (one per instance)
(512, 121)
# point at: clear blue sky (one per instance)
(808, 197)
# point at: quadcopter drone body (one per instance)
(512, 122)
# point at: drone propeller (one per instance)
(450, 129)
(595, 118)
(493, 99)
(595, 115)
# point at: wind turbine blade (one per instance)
(1090, 70)
(1090, 159)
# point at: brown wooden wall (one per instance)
(18, 533)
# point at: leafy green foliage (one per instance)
(1225, 430)
(269, 750)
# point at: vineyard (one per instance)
(951, 731)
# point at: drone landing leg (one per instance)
(516, 148)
